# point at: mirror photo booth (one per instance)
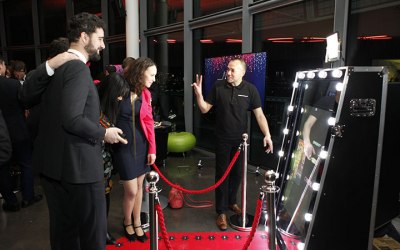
(337, 169)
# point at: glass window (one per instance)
(116, 17)
(51, 12)
(162, 12)
(294, 39)
(167, 52)
(372, 43)
(213, 41)
(117, 52)
(90, 6)
(206, 7)
(18, 22)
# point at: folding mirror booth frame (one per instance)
(336, 168)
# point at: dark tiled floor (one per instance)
(28, 228)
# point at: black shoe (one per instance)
(8, 207)
(110, 240)
(130, 237)
(36, 198)
(141, 238)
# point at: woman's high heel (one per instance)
(141, 238)
(131, 237)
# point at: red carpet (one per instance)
(201, 241)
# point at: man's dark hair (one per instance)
(83, 22)
(2, 59)
(19, 65)
(58, 46)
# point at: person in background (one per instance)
(57, 46)
(71, 167)
(9, 71)
(128, 60)
(134, 159)
(5, 156)
(231, 98)
(14, 117)
(19, 70)
(111, 93)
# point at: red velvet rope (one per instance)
(255, 223)
(202, 191)
(162, 227)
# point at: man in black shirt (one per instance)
(232, 99)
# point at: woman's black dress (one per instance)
(130, 159)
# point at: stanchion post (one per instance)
(244, 181)
(244, 221)
(270, 189)
(152, 178)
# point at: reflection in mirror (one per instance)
(304, 150)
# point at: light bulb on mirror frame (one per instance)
(337, 73)
(322, 74)
(339, 86)
(323, 154)
(315, 186)
(301, 246)
(311, 75)
(308, 217)
(331, 121)
(301, 75)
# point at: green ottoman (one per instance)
(180, 142)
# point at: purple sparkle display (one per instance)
(215, 69)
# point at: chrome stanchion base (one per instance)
(236, 222)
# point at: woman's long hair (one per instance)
(115, 87)
(134, 74)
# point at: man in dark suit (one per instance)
(13, 114)
(67, 149)
(5, 155)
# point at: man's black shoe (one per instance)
(8, 207)
(110, 240)
(35, 199)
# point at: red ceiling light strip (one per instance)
(378, 37)
(206, 41)
(312, 40)
(232, 40)
(280, 39)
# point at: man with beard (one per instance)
(67, 150)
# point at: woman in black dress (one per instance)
(133, 160)
(111, 92)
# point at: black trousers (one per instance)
(226, 193)
(22, 154)
(6, 188)
(77, 214)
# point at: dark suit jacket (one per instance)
(68, 144)
(13, 111)
(5, 143)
